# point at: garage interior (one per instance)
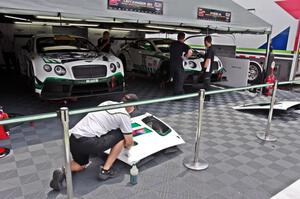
(241, 166)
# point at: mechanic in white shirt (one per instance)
(96, 133)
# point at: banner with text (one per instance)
(143, 6)
(214, 15)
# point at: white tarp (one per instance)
(175, 13)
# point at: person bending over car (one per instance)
(96, 133)
(178, 51)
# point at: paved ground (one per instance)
(241, 167)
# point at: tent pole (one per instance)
(296, 56)
(265, 66)
(269, 38)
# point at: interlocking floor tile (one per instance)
(241, 166)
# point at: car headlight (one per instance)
(113, 67)
(59, 70)
(192, 64)
(118, 65)
(47, 68)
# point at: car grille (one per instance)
(89, 71)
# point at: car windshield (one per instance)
(63, 43)
(163, 45)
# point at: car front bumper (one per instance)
(56, 88)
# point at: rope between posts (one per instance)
(143, 102)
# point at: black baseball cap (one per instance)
(131, 97)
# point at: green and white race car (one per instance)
(64, 66)
(152, 57)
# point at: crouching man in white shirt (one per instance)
(96, 133)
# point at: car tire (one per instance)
(255, 73)
(163, 74)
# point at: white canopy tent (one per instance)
(176, 13)
(182, 14)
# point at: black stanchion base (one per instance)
(5, 152)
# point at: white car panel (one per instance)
(148, 141)
(282, 105)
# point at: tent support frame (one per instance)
(295, 58)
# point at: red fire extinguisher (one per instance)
(3, 133)
(271, 78)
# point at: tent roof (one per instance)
(177, 13)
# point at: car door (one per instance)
(135, 56)
(146, 51)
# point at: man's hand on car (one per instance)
(128, 141)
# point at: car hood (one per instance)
(67, 57)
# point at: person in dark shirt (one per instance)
(207, 64)
(178, 51)
(104, 43)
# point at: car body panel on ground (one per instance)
(150, 136)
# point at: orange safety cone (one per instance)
(3, 134)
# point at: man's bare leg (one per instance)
(75, 167)
(113, 155)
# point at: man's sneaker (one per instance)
(207, 98)
(105, 174)
(57, 179)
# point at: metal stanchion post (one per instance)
(194, 163)
(266, 136)
(64, 114)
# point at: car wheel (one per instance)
(255, 73)
(163, 73)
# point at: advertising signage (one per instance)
(143, 6)
(214, 15)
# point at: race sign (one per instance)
(143, 6)
(214, 15)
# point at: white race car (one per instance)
(152, 57)
(64, 66)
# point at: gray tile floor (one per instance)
(241, 166)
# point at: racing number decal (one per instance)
(152, 64)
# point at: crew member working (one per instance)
(104, 43)
(96, 133)
(207, 66)
(178, 52)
